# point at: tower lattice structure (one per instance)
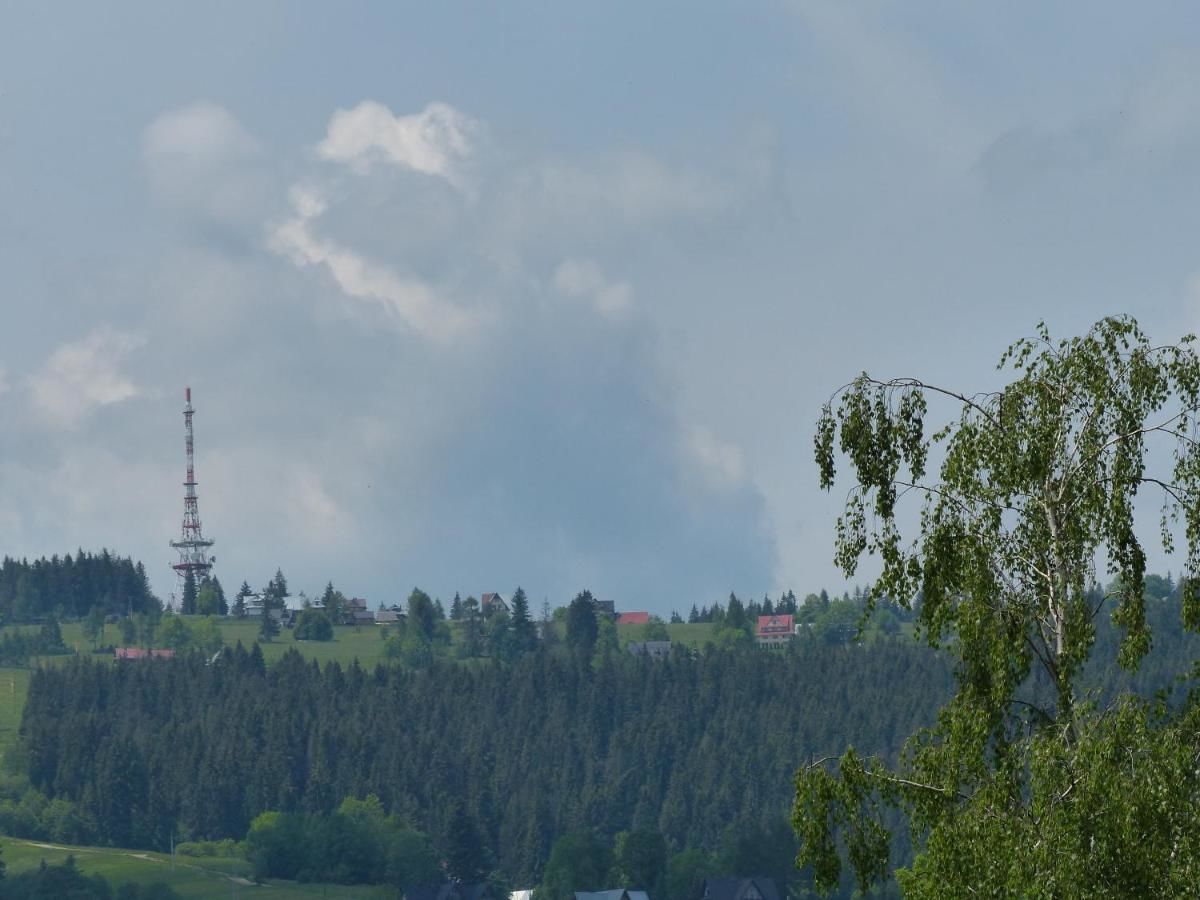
(192, 545)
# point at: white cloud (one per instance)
(435, 141)
(84, 375)
(721, 462)
(320, 519)
(584, 278)
(409, 300)
(202, 163)
(200, 133)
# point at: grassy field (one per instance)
(189, 876)
(14, 685)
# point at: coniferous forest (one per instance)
(71, 587)
(694, 747)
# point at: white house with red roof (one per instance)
(775, 631)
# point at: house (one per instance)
(652, 649)
(633, 618)
(356, 612)
(775, 631)
(141, 653)
(757, 888)
(492, 602)
(254, 605)
(605, 608)
(388, 617)
(614, 894)
(450, 890)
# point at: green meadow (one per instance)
(189, 876)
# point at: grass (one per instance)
(189, 876)
(350, 642)
(14, 685)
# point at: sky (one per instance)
(473, 296)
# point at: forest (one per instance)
(72, 587)
(697, 748)
(344, 774)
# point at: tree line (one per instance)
(72, 586)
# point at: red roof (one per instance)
(142, 653)
(775, 624)
(634, 618)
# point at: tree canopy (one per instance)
(1026, 784)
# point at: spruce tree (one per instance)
(188, 603)
(523, 629)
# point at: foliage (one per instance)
(71, 586)
(532, 750)
(640, 859)
(356, 844)
(582, 626)
(312, 625)
(579, 861)
(1020, 787)
(210, 598)
(187, 604)
(268, 625)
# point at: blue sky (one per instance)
(473, 296)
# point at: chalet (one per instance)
(775, 631)
(633, 618)
(254, 605)
(739, 889)
(356, 612)
(141, 653)
(491, 602)
(614, 894)
(652, 649)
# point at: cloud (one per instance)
(722, 463)
(202, 133)
(1155, 125)
(613, 194)
(408, 301)
(435, 141)
(81, 376)
(584, 278)
(209, 172)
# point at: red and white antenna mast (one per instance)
(192, 546)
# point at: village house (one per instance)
(492, 602)
(775, 631)
(739, 888)
(614, 894)
(633, 618)
(356, 612)
(141, 653)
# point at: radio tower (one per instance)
(192, 547)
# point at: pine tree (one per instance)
(523, 629)
(188, 603)
(239, 605)
(468, 859)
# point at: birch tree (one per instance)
(1023, 786)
